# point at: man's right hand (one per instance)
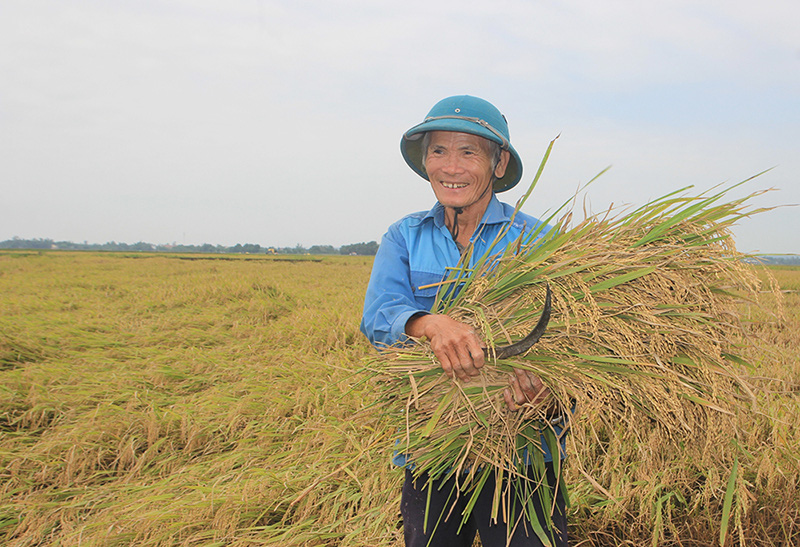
(457, 346)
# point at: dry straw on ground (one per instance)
(644, 327)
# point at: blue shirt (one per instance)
(415, 252)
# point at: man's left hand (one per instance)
(526, 387)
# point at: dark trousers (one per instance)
(443, 532)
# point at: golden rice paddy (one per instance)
(151, 399)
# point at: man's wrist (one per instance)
(415, 326)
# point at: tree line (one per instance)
(362, 249)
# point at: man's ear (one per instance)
(502, 165)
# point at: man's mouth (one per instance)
(454, 185)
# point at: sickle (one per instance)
(520, 347)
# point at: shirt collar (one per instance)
(495, 213)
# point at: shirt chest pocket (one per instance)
(425, 285)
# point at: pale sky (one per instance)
(279, 122)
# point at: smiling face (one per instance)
(459, 167)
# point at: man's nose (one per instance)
(452, 164)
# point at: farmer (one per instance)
(462, 148)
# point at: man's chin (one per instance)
(453, 204)
(452, 201)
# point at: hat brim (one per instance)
(411, 148)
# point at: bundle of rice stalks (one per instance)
(643, 322)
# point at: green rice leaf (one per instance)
(727, 504)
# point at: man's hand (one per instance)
(458, 348)
(526, 388)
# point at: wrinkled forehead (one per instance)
(456, 139)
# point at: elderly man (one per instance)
(462, 148)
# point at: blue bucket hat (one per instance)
(464, 114)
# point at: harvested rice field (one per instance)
(154, 399)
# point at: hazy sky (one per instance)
(278, 122)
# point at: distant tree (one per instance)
(142, 246)
(296, 250)
(251, 248)
(114, 246)
(364, 249)
(17, 243)
(322, 250)
(784, 260)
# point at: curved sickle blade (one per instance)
(520, 347)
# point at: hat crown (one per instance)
(468, 107)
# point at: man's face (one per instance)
(459, 167)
